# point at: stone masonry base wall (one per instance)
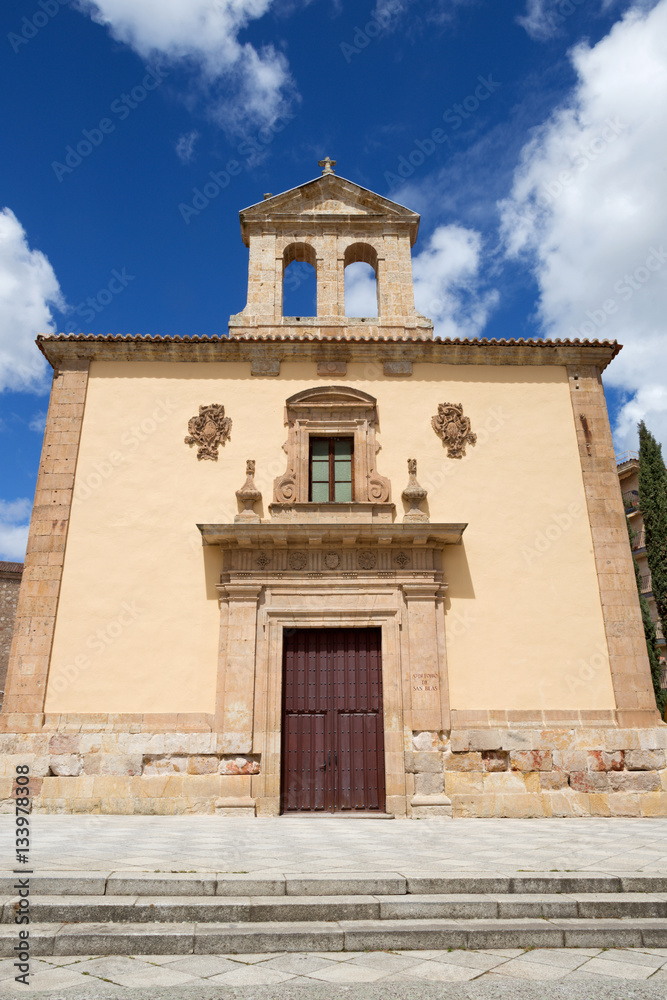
(555, 772)
(508, 772)
(124, 773)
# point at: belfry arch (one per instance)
(362, 253)
(329, 223)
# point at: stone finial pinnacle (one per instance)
(328, 165)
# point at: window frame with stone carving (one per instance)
(332, 481)
(330, 412)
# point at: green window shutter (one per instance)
(319, 470)
(342, 461)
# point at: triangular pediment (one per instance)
(327, 197)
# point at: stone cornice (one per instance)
(233, 536)
(63, 348)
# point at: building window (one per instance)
(345, 472)
(331, 463)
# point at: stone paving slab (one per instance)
(274, 847)
(147, 884)
(497, 973)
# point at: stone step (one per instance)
(300, 909)
(129, 883)
(344, 935)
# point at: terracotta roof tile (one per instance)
(11, 567)
(215, 339)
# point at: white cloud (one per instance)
(38, 421)
(360, 290)
(205, 34)
(185, 147)
(541, 19)
(588, 211)
(447, 283)
(14, 523)
(28, 287)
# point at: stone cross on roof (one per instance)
(327, 164)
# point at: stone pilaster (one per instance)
(630, 670)
(428, 681)
(235, 715)
(40, 586)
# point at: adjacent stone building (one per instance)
(10, 581)
(329, 563)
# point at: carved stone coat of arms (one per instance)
(454, 429)
(209, 429)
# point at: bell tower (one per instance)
(330, 222)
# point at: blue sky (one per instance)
(529, 135)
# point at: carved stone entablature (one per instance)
(209, 429)
(331, 410)
(454, 429)
(265, 551)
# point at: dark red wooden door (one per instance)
(333, 740)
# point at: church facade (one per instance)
(330, 564)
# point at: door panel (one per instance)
(360, 761)
(306, 762)
(333, 741)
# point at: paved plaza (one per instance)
(321, 845)
(74, 977)
(315, 845)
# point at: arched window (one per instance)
(361, 289)
(299, 280)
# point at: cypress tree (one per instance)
(649, 634)
(653, 505)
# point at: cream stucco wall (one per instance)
(138, 605)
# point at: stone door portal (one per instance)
(332, 732)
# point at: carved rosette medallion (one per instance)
(402, 559)
(209, 429)
(297, 560)
(454, 429)
(263, 559)
(367, 559)
(332, 560)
